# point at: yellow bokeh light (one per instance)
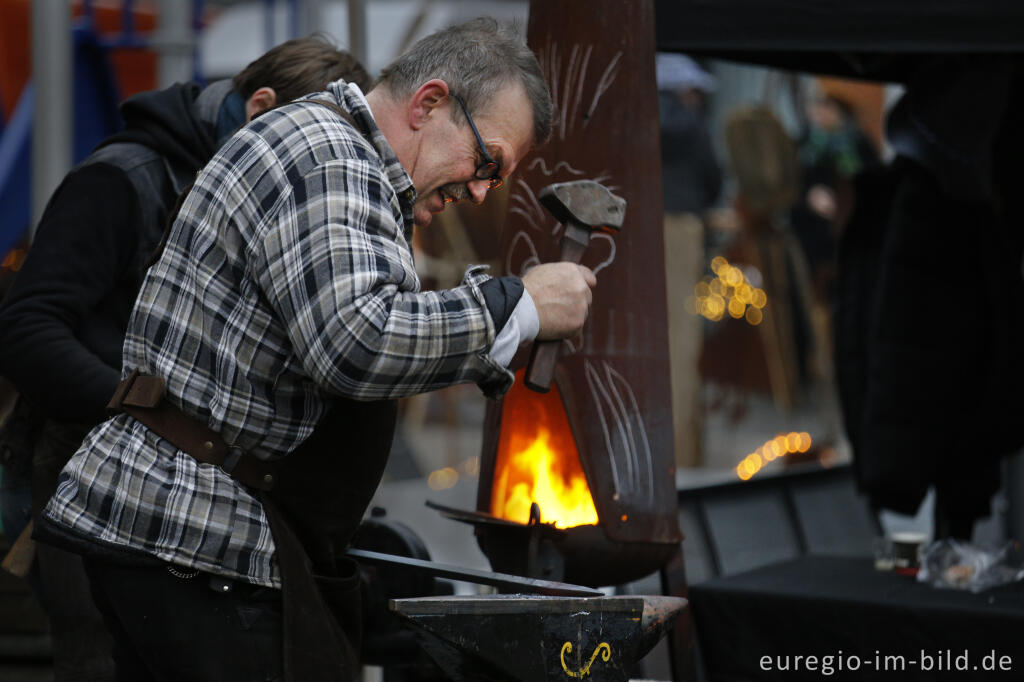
(442, 479)
(733, 276)
(754, 316)
(792, 442)
(718, 263)
(736, 308)
(716, 287)
(758, 298)
(805, 441)
(743, 292)
(472, 466)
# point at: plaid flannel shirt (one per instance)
(287, 278)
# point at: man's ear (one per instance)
(427, 98)
(260, 101)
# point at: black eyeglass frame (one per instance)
(488, 169)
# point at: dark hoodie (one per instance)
(63, 320)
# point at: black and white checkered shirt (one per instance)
(287, 278)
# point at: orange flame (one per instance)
(537, 461)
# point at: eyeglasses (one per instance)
(488, 169)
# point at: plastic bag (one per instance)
(963, 566)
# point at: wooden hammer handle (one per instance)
(540, 370)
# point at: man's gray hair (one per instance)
(477, 59)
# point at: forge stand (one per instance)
(609, 413)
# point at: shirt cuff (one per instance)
(523, 325)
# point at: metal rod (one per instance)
(309, 18)
(128, 20)
(268, 24)
(357, 29)
(52, 88)
(174, 43)
(501, 580)
(197, 27)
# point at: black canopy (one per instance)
(872, 39)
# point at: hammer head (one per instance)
(584, 203)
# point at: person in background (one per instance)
(833, 151)
(266, 350)
(63, 320)
(930, 318)
(691, 174)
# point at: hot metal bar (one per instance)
(500, 580)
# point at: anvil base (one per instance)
(527, 638)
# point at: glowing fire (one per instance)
(538, 462)
(565, 502)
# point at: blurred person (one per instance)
(267, 347)
(833, 150)
(690, 172)
(766, 350)
(930, 320)
(63, 320)
(691, 182)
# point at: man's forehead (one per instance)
(510, 119)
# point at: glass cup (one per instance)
(883, 554)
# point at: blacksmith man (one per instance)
(270, 340)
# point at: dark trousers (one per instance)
(197, 629)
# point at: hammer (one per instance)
(583, 207)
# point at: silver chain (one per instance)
(184, 575)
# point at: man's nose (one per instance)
(478, 190)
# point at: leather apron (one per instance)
(322, 490)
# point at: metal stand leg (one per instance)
(682, 653)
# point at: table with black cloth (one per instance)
(751, 626)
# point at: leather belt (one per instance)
(143, 397)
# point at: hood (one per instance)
(170, 122)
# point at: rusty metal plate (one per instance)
(614, 377)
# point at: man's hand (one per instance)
(561, 292)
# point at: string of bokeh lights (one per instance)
(780, 446)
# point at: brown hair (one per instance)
(301, 66)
